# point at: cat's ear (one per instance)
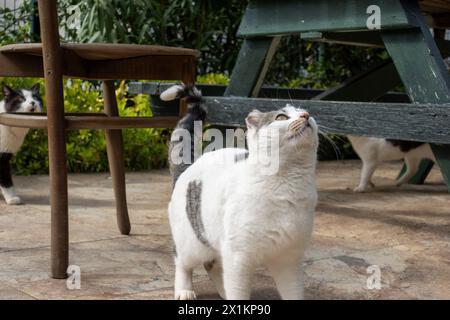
(8, 91)
(252, 120)
(36, 89)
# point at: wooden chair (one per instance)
(53, 60)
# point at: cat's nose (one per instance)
(304, 115)
(33, 103)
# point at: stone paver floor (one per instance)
(405, 231)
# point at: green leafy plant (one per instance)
(86, 149)
(213, 78)
(14, 23)
(207, 25)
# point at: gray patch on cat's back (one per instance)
(193, 210)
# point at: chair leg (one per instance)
(59, 207)
(56, 139)
(114, 142)
(58, 181)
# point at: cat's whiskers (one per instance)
(326, 131)
(290, 98)
(332, 143)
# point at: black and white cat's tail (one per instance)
(196, 112)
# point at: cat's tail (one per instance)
(181, 155)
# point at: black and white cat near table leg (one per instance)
(374, 151)
(6, 183)
(11, 138)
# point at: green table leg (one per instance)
(422, 173)
(251, 66)
(421, 67)
(442, 153)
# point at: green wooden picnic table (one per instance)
(404, 30)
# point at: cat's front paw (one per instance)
(14, 201)
(361, 189)
(185, 295)
(401, 182)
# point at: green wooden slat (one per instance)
(415, 122)
(366, 86)
(421, 67)
(363, 38)
(251, 66)
(267, 17)
(360, 38)
(155, 88)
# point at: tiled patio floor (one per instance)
(405, 231)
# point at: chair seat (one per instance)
(101, 61)
(103, 51)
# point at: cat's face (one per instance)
(293, 128)
(22, 100)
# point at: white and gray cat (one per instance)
(232, 217)
(11, 138)
(374, 151)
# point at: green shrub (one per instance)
(86, 149)
(15, 23)
(209, 26)
(213, 78)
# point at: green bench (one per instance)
(417, 62)
(404, 31)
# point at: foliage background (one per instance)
(207, 25)
(86, 149)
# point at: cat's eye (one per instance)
(281, 117)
